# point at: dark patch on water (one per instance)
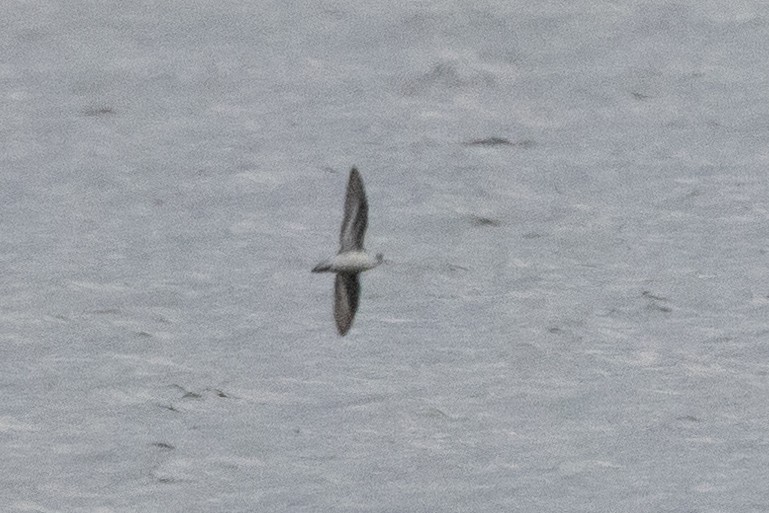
(186, 394)
(659, 308)
(484, 221)
(719, 340)
(163, 445)
(436, 413)
(448, 75)
(500, 141)
(190, 394)
(648, 294)
(98, 111)
(489, 141)
(218, 392)
(654, 302)
(106, 311)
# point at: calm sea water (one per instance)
(572, 201)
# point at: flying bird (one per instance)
(352, 258)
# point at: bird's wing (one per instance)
(346, 297)
(355, 215)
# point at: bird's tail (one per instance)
(323, 267)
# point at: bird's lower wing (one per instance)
(346, 297)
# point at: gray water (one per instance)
(572, 198)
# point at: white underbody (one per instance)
(352, 262)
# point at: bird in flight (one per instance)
(352, 259)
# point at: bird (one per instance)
(352, 259)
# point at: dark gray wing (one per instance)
(346, 297)
(355, 215)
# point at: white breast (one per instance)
(353, 262)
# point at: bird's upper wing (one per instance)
(355, 215)
(346, 298)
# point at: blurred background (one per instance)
(571, 198)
